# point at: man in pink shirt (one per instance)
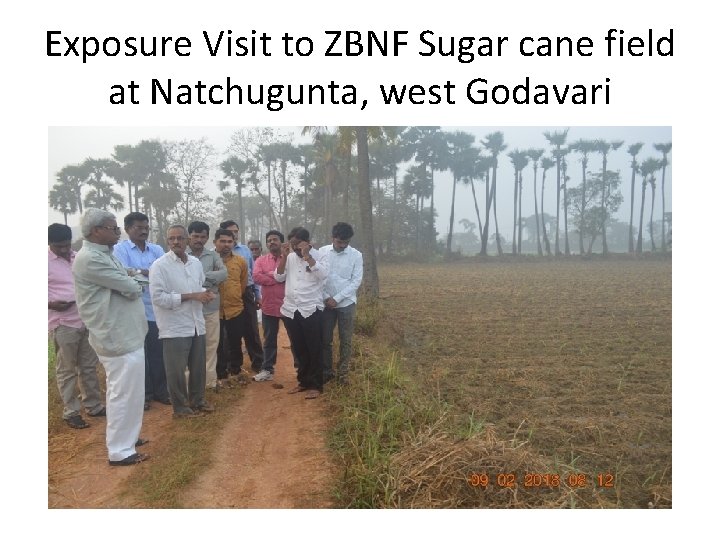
(75, 360)
(273, 293)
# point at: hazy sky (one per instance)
(71, 145)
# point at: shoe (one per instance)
(146, 407)
(312, 394)
(76, 422)
(101, 412)
(130, 460)
(192, 414)
(142, 441)
(264, 375)
(164, 401)
(205, 407)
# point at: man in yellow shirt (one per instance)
(230, 357)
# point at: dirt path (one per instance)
(271, 454)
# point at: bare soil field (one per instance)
(547, 384)
(567, 362)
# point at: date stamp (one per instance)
(536, 480)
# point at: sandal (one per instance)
(142, 441)
(297, 389)
(312, 394)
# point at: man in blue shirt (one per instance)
(345, 272)
(137, 254)
(251, 300)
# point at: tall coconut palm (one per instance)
(305, 155)
(494, 143)
(546, 164)
(535, 154)
(371, 281)
(557, 139)
(604, 148)
(584, 148)
(482, 169)
(566, 178)
(665, 150)
(416, 183)
(652, 212)
(633, 150)
(241, 172)
(647, 169)
(519, 160)
(462, 161)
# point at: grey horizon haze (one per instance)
(72, 145)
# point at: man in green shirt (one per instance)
(110, 305)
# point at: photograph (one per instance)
(473, 317)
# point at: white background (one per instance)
(37, 92)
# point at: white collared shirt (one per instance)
(303, 287)
(345, 273)
(169, 279)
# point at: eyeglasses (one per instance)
(116, 230)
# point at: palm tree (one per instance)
(565, 205)
(584, 148)
(416, 183)
(519, 161)
(647, 169)
(633, 150)
(241, 171)
(101, 195)
(483, 164)
(651, 180)
(267, 155)
(371, 281)
(535, 154)
(305, 154)
(74, 177)
(604, 148)
(62, 198)
(462, 161)
(546, 164)
(494, 143)
(557, 139)
(665, 150)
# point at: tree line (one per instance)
(382, 178)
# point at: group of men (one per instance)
(175, 319)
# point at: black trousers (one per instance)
(250, 332)
(229, 354)
(155, 379)
(306, 338)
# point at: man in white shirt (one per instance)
(345, 272)
(178, 295)
(302, 269)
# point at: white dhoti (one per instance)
(124, 402)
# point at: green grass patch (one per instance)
(376, 416)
